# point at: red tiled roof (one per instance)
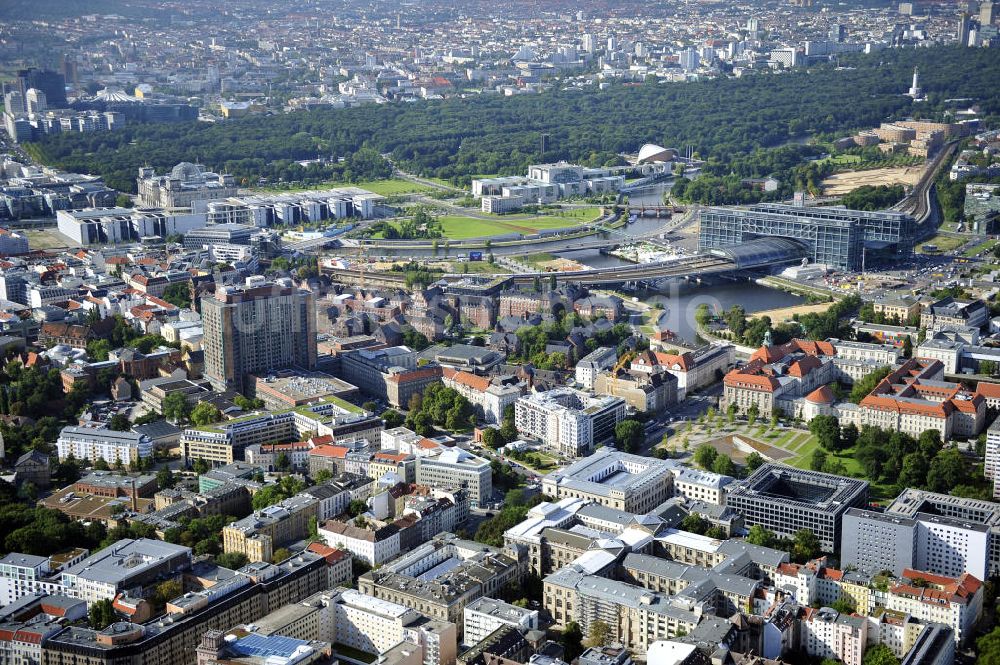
(331, 554)
(988, 390)
(822, 395)
(479, 383)
(329, 451)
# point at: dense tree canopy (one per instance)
(456, 138)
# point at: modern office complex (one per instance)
(103, 226)
(631, 483)
(291, 208)
(225, 442)
(544, 183)
(220, 234)
(570, 421)
(256, 329)
(124, 566)
(873, 542)
(784, 500)
(837, 237)
(457, 468)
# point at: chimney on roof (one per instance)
(135, 500)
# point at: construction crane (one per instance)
(361, 257)
(624, 360)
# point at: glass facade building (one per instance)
(840, 238)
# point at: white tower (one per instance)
(915, 90)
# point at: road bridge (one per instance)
(761, 253)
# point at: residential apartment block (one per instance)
(92, 443)
(256, 329)
(569, 421)
(260, 534)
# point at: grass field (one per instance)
(478, 268)
(981, 247)
(841, 160)
(945, 244)
(46, 239)
(458, 227)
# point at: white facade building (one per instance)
(485, 615)
(373, 546)
(570, 421)
(91, 443)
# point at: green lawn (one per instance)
(351, 652)
(945, 244)
(841, 160)
(981, 247)
(478, 268)
(538, 258)
(462, 227)
(458, 227)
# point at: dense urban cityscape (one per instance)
(499, 334)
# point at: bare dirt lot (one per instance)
(842, 183)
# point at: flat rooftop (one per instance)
(809, 489)
(125, 559)
(303, 387)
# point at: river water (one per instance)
(681, 299)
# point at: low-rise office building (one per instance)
(488, 397)
(631, 483)
(485, 615)
(784, 499)
(457, 468)
(391, 374)
(124, 566)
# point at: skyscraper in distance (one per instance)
(255, 329)
(986, 13)
(963, 29)
(53, 84)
